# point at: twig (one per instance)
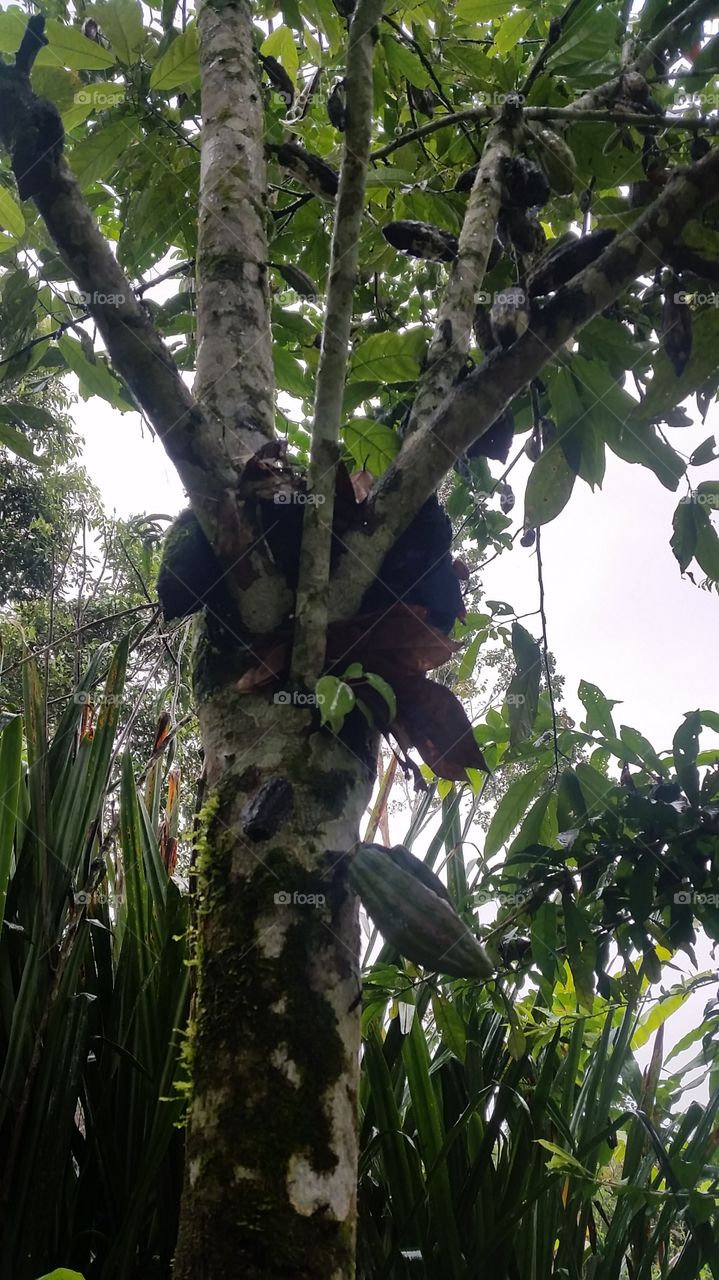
(311, 606)
(545, 654)
(592, 115)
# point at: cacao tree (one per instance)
(399, 239)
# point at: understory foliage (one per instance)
(505, 1126)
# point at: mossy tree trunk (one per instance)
(270, 1187)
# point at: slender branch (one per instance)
(311, 607)
(235, 377)
(475, 403)
(545, 654)
(450, 341)
(597, 115)
(413, 44)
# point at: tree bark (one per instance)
(270, 1184)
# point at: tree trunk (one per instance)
(270, 1184)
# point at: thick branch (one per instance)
(234, 355)
(311, 608)
(475, 403)
(450, 342)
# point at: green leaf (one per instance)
(389, 357)
(11, 215)
(641, 749)
(666, 389)
(511, 31)
(706, 551)
(122, 22)
(18, 444)
(598, 709)
(388, 176)
(686, 748)
(512, 808)
(96, 157)
(179, 63)
(705, 452)
(281, 45)
(372, 444)
(544, 940)
(385, 691)
(404, 64)
(482, 10)
(290, 375)
(549, 487)
(62, 1273)
(95, 379)
(335, 700)
(70, 48)
(522, 697)
(686, 531)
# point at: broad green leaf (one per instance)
(123, 25)
(95, 379)
(598, 709)
(404, 64)
(685, 525)
(685, 748)
(522, 696)
(10, 776)
(483, 10)
(706, 551)
(372, 444)
(280, 44)
(549, 487)
(68, 47)
(179, 63)
(96, 157)
(17, 443)
(388, 176)
(11, 216)
(388, 357)
(290, 375)
(512, 808)
(544, 940)
(666, 389)
(62, 1273)
(511, 30)
(641, 748)
(335, 700)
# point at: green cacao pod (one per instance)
(413, 911)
